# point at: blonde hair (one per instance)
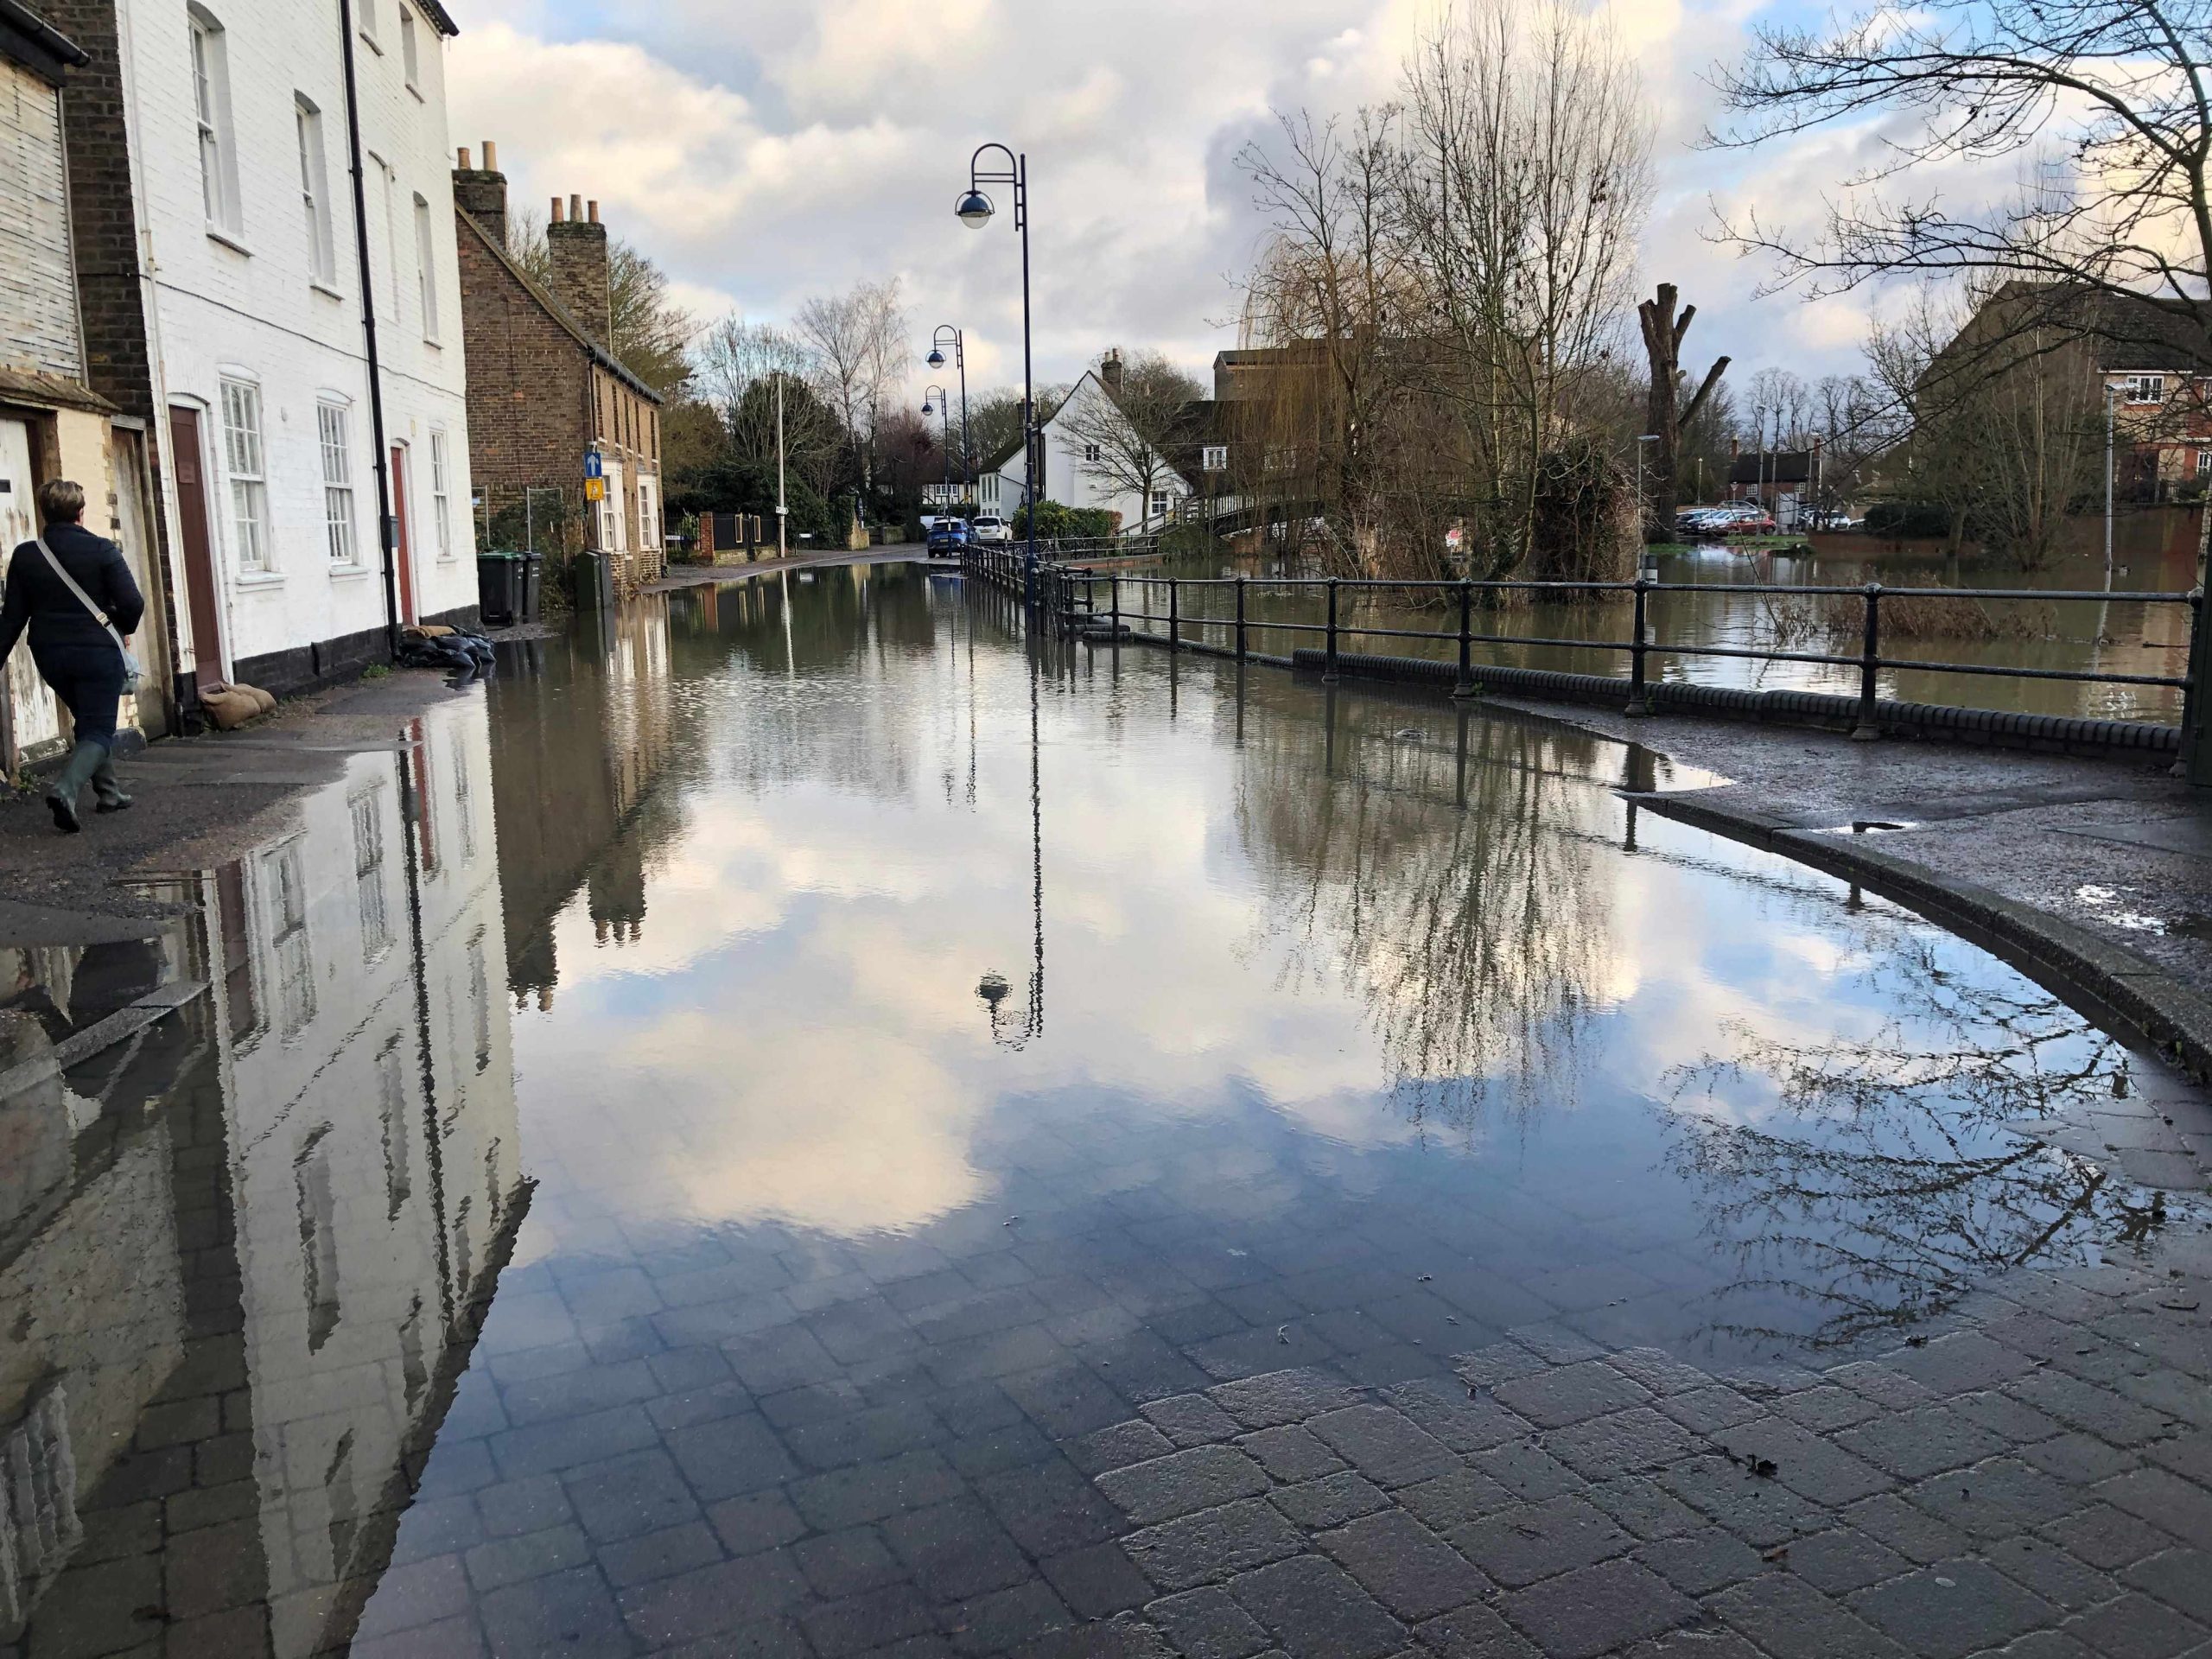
(61, 502)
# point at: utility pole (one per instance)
(2108, 472)
(783, 511)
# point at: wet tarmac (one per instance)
(781, 1124)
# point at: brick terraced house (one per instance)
(220, 271)
(545, 388)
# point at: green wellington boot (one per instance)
(61, 794)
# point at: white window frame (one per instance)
(441, 491)
(2145, 388)
(426, 269)
(648, 511)
(211, 103)
(368, 23)
(411, 57)
(1162, 503)
(1215, 458)
(314, 193)
(387, 296)
(334, 423)
(245, 465)
(1091, 453)
(2204, 463)
(613, 518)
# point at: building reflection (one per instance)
(583, 730)
(244, 1252)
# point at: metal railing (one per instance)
(1073, 598)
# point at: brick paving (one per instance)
(2031, 1478)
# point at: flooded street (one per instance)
(704, 1144)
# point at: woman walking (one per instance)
(75, 592)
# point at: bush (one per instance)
(1057, 522)
(1903, 520)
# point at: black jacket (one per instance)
(65, 636)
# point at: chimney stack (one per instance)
(577, 247)
(481, 193)
(1109, 371)
(557, 211)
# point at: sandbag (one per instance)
(229, 706)
(266, 701)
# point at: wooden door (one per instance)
(403, 556)
(33, 715)
(202, 600)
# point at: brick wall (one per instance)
(527, 383)
(102, 218)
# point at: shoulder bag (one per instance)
(133, 675)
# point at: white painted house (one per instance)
(1068, 473)
(237, 324)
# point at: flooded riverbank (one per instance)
(2123, 635)
(692, 1144)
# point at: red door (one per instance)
(405, 557)
(198, 548)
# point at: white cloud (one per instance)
(789, 147)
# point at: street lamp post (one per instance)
(960, 363)
(2108, 472)
(942, 406)
(975, 210)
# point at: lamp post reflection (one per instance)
(1007, 1030)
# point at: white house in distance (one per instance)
(222, 283)
(1065, 475)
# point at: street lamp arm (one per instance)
(976, 175)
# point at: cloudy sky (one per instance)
(767, 151)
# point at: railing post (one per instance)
(1240, 618)
(1174, 611)
(1465, 685)
(1639, 701)
(1870, 666)
(1329, 657)
(2196, 741)
(1114, 598)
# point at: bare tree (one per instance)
(1666, 412)
(1125, 431)
(857, 340)
(1443, 272)
(735, 365)
(2107, 104)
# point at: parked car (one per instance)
(989, 527)
(948, 537)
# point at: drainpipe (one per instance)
(387, 527)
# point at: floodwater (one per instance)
(681, 1149)
(2125, 635)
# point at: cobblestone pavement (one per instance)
(2034, 1479)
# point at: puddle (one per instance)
(797, 1033)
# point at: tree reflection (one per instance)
(1478, 940)
(1879, 1181)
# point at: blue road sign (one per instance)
(593, 466)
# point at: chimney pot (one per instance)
(464, 160)
(576, 205)
(592, 208)
(491, 156)
(556, 210)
